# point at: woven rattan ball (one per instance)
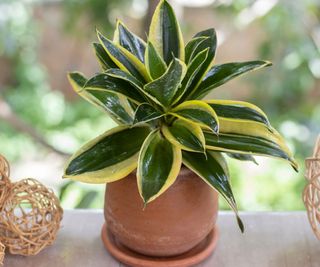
(311, 194)
(30, 218)
(4, 180)
(4, 166)
(2, 252)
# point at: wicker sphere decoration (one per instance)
(4, 166)
(30, 214)
(2, 252)
(4, 180)
(311, 194)
(30, 218)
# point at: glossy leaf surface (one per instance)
(103, 57)
(122, 75)
(192, 46)
(209, 43)
(213, 170)
(116, 106)
(158, 166)
(239, 110)
(103, 83)
(128, 40)
(145, 113)
(155, 65)
(193, 69)
(165, 33)
(164, 88)
(198, 112)
(127, 77)
(124, 59)
(107, 158)
(246, 144)
(188, 136)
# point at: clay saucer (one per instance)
(131, 258)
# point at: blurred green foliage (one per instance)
(287, 97)
(30, 94)
(97, 13)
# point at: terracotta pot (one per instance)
(172, 224)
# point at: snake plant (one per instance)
(154, 91)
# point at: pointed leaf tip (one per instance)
(295, 166)
(129, 41)
(214, 172)
(155, 65)
(165, 32)
(124, 59)
(268, 63)
(144, 205)
(221, 74)
(240, 224)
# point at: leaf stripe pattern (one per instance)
(239, 110)
(246, 144)
(107, 158)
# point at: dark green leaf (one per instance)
(246, 144)
(220, 74)
(145, 113)
(254, 129)
(77, 80)
(188, 136)
(212, 169)
(102, 83)
(113, 104)
(165, 33)
(165, 87)
(154, 63)
(192, 46)
(103, 57)
(120, 58)
(239, 110)
(110, 102)
(122, 75)
(158, 166)
(102, 158)
(130, 41)
(198, 112)
(211, 43)
(192, 70)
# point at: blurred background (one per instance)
(42, 120)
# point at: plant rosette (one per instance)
(154, 90)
